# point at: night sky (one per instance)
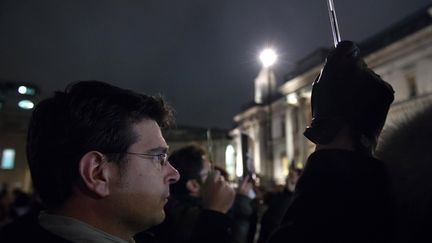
(201, 55)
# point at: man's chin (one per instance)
(155, 220)
(161, 218)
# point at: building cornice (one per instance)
(401, 51)
(300, 81)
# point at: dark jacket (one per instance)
(278, 204)
(28, 230)
(342, 196)
(187, 222)
(243, 216)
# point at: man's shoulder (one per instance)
(28, 231)
(331, 159)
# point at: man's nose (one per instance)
(173, 175)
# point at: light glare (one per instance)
(7, 159)
(22, 89)
(292, 99)
(26, 104)
(268, 57)
(26, 90)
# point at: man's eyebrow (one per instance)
(161, 149)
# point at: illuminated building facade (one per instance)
(401, 55)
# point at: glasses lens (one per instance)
(163, 159)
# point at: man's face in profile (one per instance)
(141, 190)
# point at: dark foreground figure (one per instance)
(405, 148)
(342, 195)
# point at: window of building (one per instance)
(283, 127)
(295, 123)
(412, 84)
(285, 164)
(409, 73)
(7, 159)
(230, 160)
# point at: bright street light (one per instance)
(26, 104)
(268, 57)
(26, 90)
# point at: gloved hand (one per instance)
(347, 92)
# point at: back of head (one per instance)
(403, 147)
(189, 163)
(87, 116)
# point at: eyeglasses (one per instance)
(161, 159)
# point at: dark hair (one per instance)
(189, 163)
(404, 149)
(87, 116)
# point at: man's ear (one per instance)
(94, 172)
(193, 186)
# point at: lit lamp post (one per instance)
(268, 58)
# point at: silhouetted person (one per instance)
(21, 203)
(278, 204)
(405, 148)
(4, 205)
(342, 194)
(24, 212)
(98, 160)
